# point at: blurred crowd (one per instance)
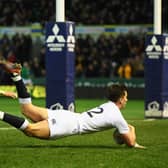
(109, 56)
(106, 56)
(111, 12)
(25, 12)
(19, 48)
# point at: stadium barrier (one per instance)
(88, 88)
(36, 30)
(95, 87)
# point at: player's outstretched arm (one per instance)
(8, 94)
(130, 137)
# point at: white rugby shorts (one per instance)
(62, 123)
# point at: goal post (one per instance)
(60, 60)
(156, 68)
(156, 78)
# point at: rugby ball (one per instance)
(117, 137)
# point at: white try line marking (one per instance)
(7, 128)
(152, 119)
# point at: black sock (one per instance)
(21, 89)
(15, 121)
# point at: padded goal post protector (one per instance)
(60, 65)
(156, 76)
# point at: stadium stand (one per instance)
(89, 54)
(99, 57)
(20, 12)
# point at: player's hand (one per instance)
(10, 94)
(139, 146)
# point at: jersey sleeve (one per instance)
(122, 125)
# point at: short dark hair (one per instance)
(115, 92)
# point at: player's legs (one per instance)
(28, 109)
(38, 130)
(31, 111)
(35, 113)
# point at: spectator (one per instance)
(36, 68)
(125, 70)
(26, 74)
(104, 70)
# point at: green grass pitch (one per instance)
(85, 151)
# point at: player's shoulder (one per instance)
(109, 104)
(111, 109)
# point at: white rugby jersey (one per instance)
(103, 117)
(64, 123)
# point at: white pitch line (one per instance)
(6, 128)
(148, 120)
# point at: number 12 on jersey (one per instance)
(98, 110)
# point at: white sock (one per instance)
(1, 115)
(25, 100)
(16, 78)
(24, 125)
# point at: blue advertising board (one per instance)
(60, 65)
(156, 76)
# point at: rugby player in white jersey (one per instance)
(47, 123)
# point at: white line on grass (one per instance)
(152, 119)
(6, 128)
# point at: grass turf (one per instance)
(93, 150)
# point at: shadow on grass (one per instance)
(65, 146)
